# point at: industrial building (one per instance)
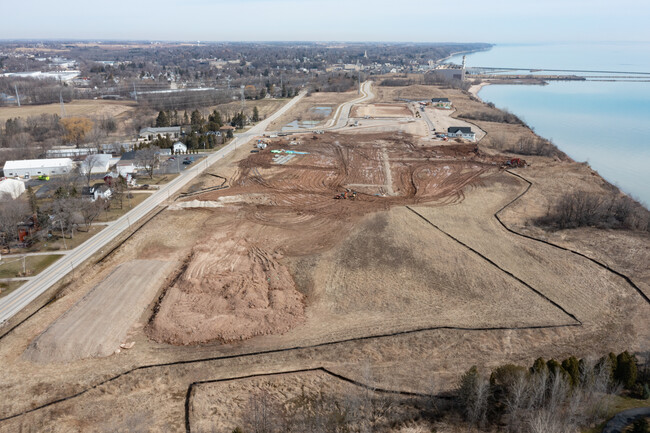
(98, 163)
(152, 133)
(36, 167)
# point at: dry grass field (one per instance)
(403, 288)
(82, 107)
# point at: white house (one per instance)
(36, 167)
(98, 163)
(179, 147)
(95, 192)
(461, 132)
(125, 168)
(11, 188)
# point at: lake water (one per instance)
(604, 123)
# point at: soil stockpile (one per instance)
(230, 290)
(97, 324)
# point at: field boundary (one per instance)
(627, 279)
(354, 339)
(283, 350)
(543, 296)
(193, 385)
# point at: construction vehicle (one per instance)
(347, 195)
(514, 162)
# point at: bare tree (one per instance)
(12, 213)
(148, 159)
(91, 161)
(90, 210)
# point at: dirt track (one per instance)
(97, 324)
(364, 269)
(235, 289)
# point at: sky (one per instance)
(496, 21)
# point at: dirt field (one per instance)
(303, 110)
(97, 324)
(381, 110)
(232, 293)
(404, 288)
(86, 108)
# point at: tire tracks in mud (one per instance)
(343, 341)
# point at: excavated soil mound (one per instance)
(230, 290)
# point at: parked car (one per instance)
(43, 177)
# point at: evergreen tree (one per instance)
(197, 121)
(626, 369)
(554, 367)
(162, 120)
(572, 366)
(539, 366)
(256, 114)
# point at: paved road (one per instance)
(625, 418)
(20, 298)
(342, 114)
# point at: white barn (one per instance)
(36, 167)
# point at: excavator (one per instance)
(347, 195)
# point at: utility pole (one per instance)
(358, 78)
(243, 104)
(62, 107)
(63, 235)
(17, 96)
(135, 92)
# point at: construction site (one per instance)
(368, 258)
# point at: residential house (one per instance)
(464, 132)
(441, 103)
(179, 147)
(96, 191)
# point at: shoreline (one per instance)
(474, 91)
(475, 88)
(461, 52)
